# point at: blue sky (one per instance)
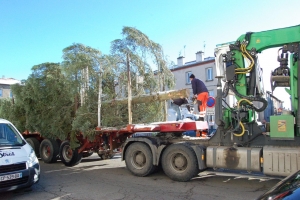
(36, 31)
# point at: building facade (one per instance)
(5, 90)
(203, 69)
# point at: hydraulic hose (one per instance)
(250, 98)
(243, 131)
(239, 120)
(246, 55)
(244, 100)
(225, 90)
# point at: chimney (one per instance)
(180, 61)
(199, 56)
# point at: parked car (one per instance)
(19, 166)
(287, 189)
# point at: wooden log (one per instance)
(159, 96)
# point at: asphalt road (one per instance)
(95, 179)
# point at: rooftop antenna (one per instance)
(184, 50)
(203, 47)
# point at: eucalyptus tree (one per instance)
(93, 76)
(81, 66)
(138, 57)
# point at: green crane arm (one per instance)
(242, 66)
(241, 60)
(271, 38)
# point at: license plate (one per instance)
(10, 177)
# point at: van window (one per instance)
(9, 136)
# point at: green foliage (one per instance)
(46, 101)
(6, 109)
(12, 112)
(147, 112)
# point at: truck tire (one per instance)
(69, 156)
(35, 144)
(179, 162)
(139, 159)
(49, 150)
(86, 154)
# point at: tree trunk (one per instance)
(129, 92)
(160, 96)
(165, 102)
(99, 100)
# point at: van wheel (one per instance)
(179, 162)
(49, 150)
(35, 144)
(69, 156)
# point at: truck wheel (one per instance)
(49, 150)
(139, 160)
(35, 144)
(69, 156)
(86, 154)
(179, 162)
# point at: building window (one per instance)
(211, 93)
(187, 77)
(1, 93)
(209, 74)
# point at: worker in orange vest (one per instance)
(200, 93)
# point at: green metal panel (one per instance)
(293, 91)
(251, 115)
(294, 87)
(226, 117)
(282, 127)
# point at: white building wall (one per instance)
(5, 83)
(199, 70)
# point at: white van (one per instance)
(19, 166)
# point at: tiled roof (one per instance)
(192, 63)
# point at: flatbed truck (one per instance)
(240, 141)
